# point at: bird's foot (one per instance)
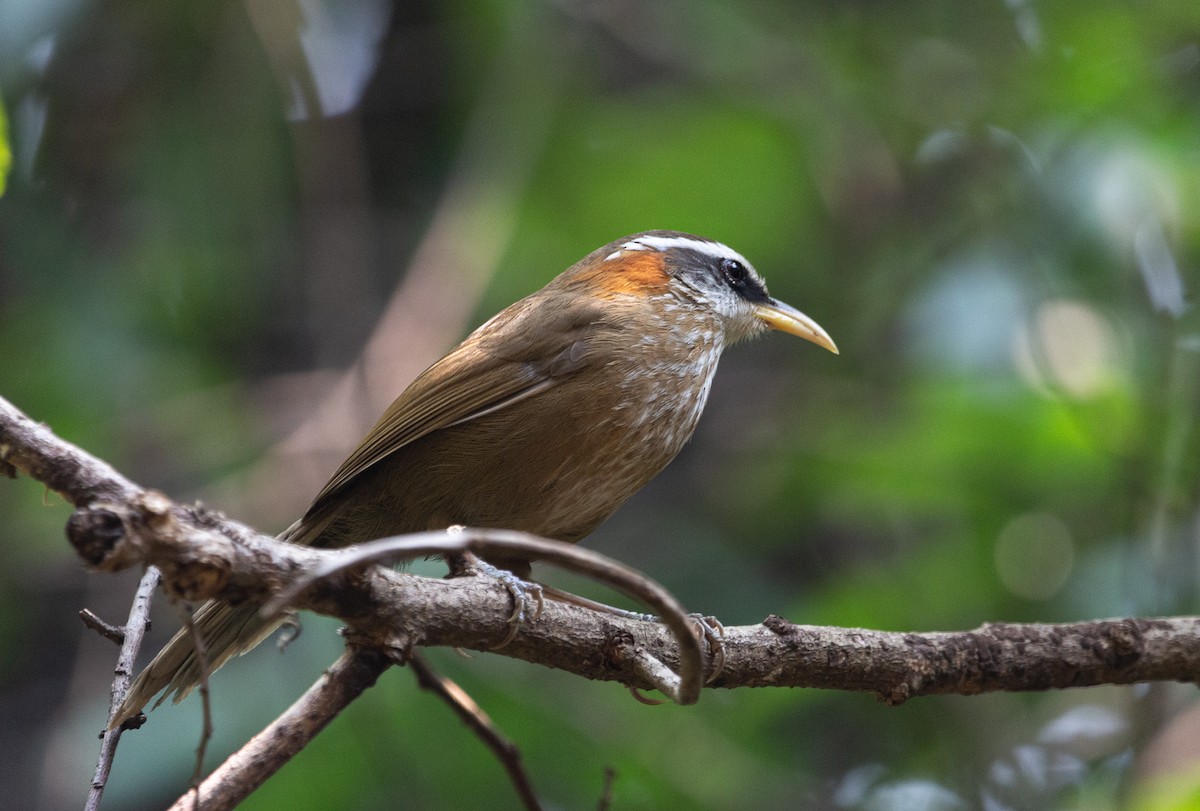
(527, 595)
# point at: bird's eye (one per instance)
(735, 272)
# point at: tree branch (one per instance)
(683, 688)
(249, 767)
(33, 448)
(203, 555)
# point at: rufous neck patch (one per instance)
(632, 272)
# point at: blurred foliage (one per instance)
(991, 207)
(5, 150)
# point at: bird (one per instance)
(544, 419)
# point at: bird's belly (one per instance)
(588, 464)
(588, 487)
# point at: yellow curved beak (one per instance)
(785, 318)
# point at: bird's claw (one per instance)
(527, 598)
(714, 634)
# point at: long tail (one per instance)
(226, 630)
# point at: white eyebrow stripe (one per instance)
(714, 249)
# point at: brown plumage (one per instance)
(545, 419)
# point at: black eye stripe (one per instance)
(742, 281)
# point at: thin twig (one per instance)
(265, 753)
(610, 775)
(655, 672)
(134, 632)
(471, 714)
(508, 543)
(113, 633)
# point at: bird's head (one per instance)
(706, 274)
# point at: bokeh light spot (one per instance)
(1066, 348)
(1034, 555)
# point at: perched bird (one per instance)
(545, 419)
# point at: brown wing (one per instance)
(503, 362)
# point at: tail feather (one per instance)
(226, 630)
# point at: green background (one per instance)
(994, 208)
